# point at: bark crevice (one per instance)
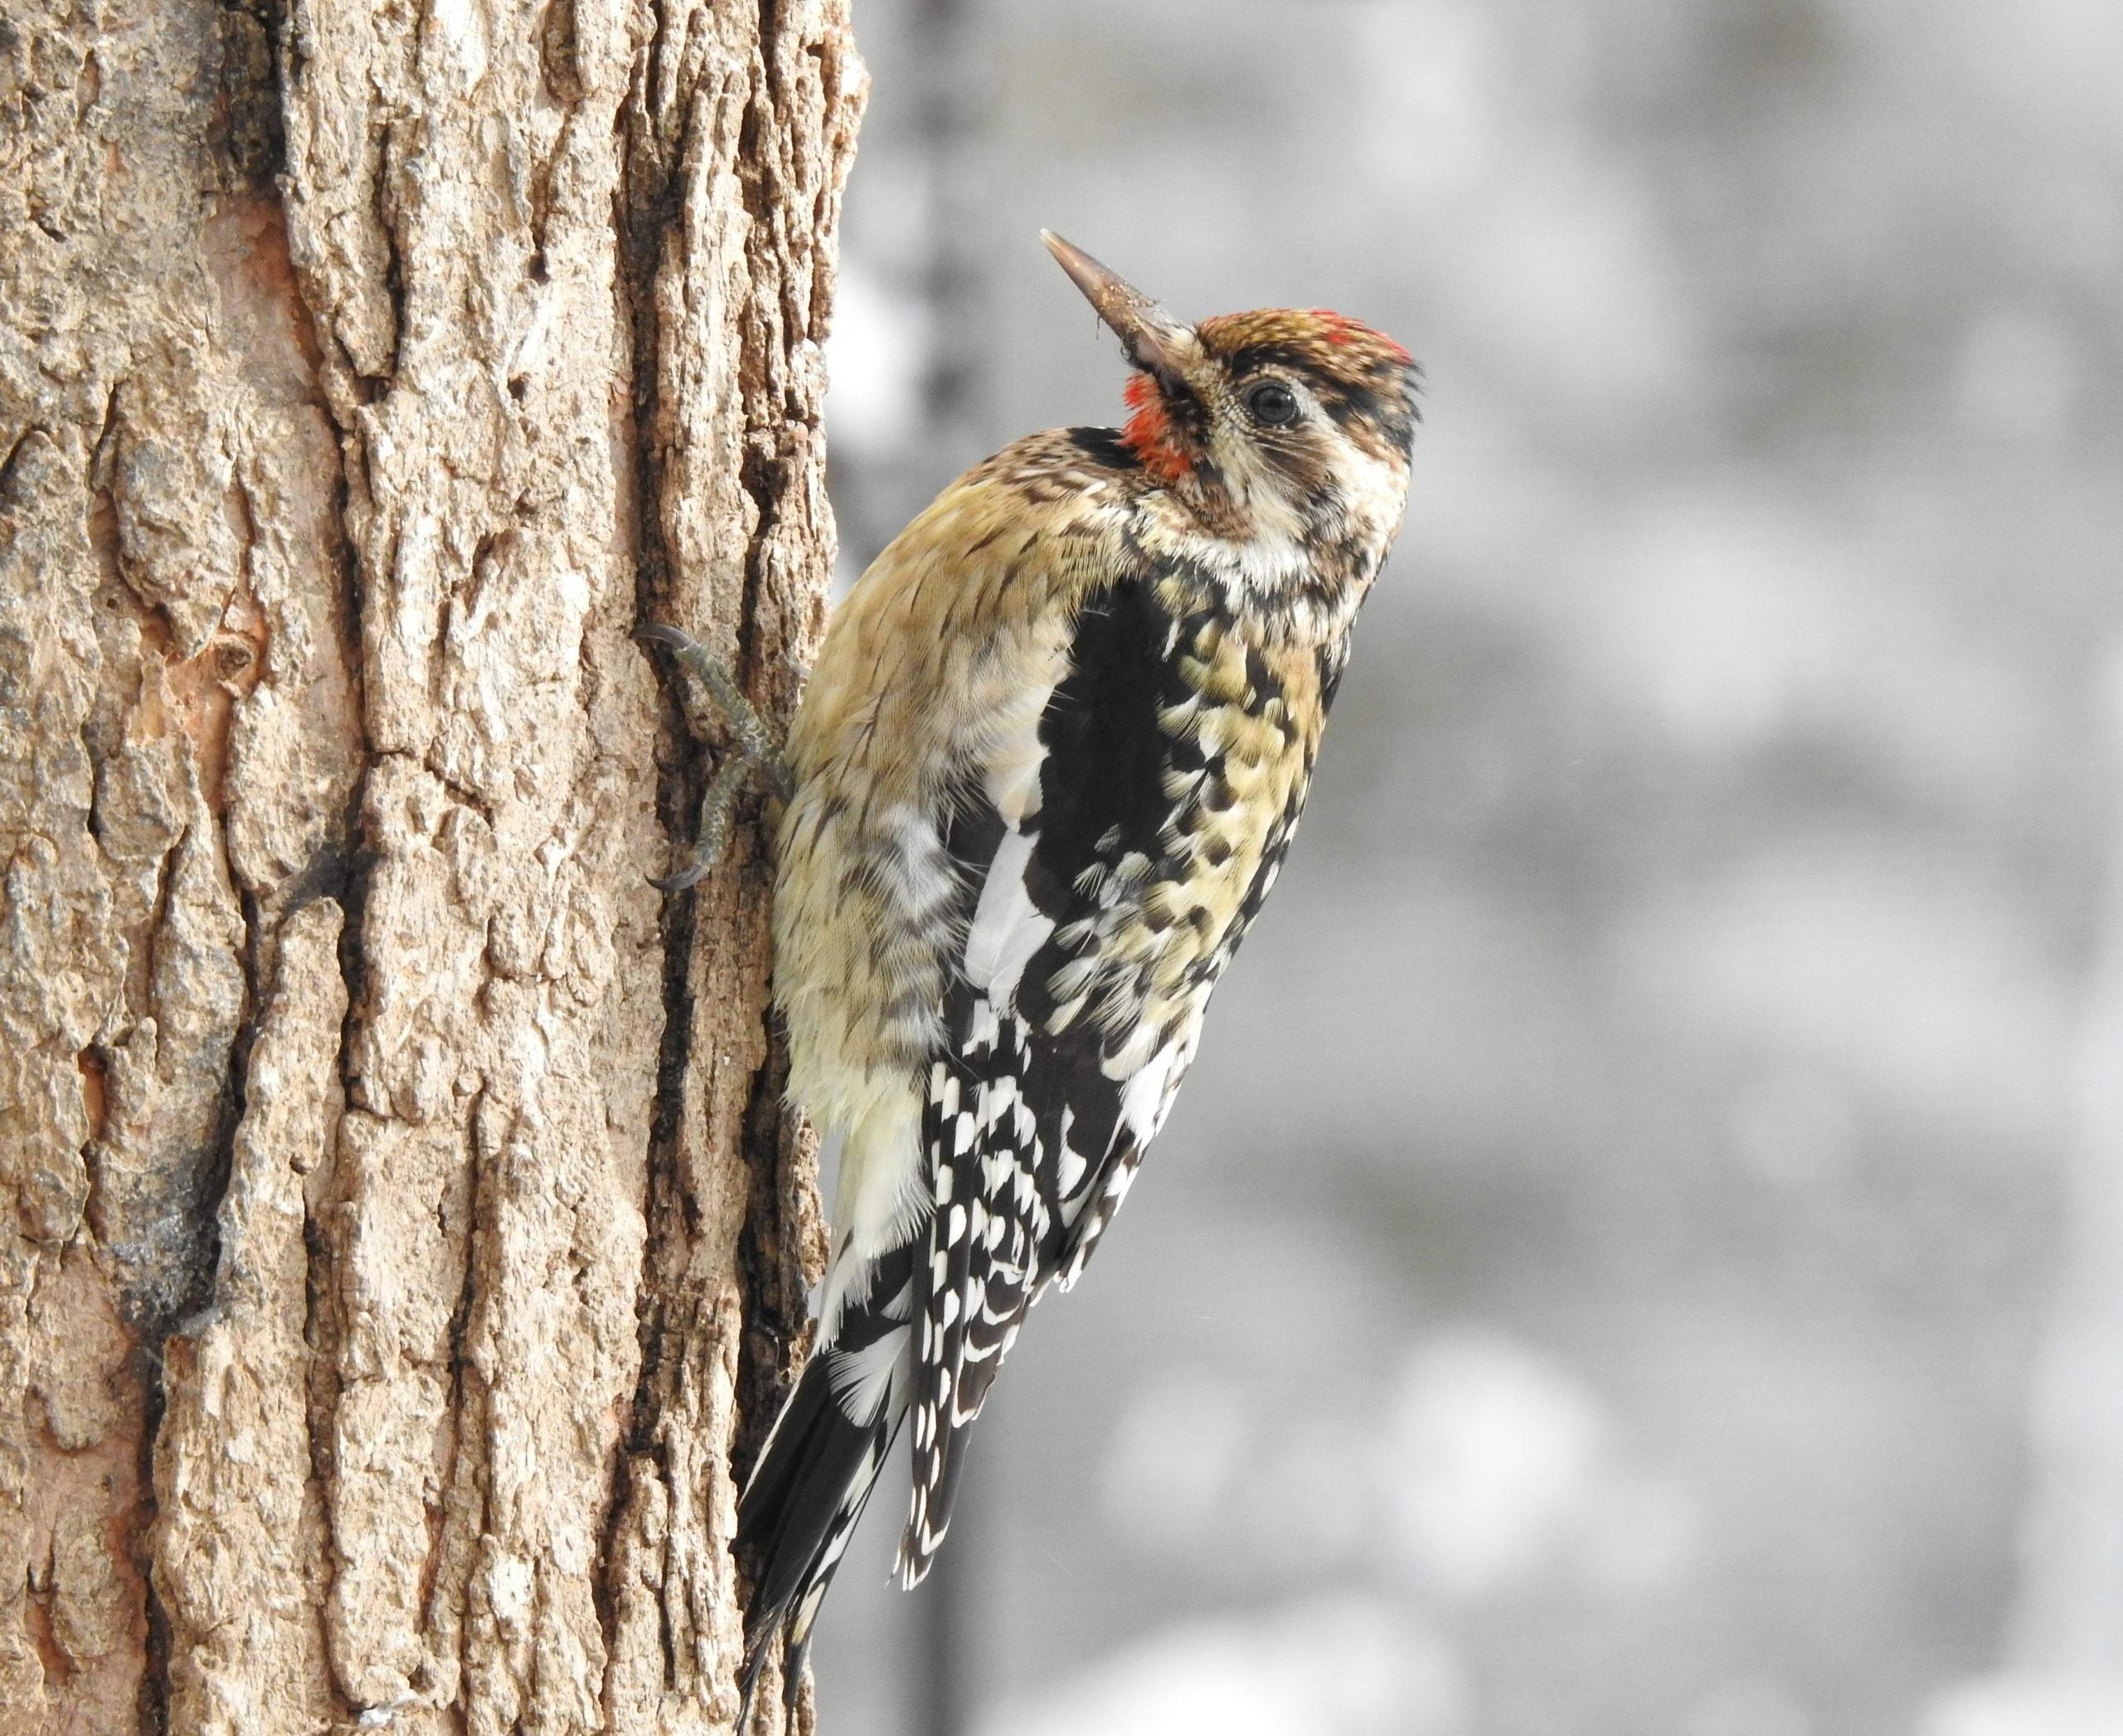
(367, 394)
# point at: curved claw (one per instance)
(755, 753)
(679, 881)
(711, 827)
(743, 723)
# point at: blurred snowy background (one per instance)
(1641, 1252)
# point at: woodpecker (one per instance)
(1040, 781)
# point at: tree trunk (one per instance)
(407, 1235)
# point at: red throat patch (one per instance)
(1149, 434)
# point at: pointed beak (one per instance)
(1155, 342)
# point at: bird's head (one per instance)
(1285, 422)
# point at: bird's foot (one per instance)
(753, 755)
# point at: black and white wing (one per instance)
(1110, 897)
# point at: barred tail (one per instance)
(799, 1510)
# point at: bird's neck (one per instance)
(1286, 578)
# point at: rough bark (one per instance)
(406, 1236)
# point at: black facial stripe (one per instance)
(1384, 401)
(1389, 415)
(1380, 376)
(1259, 357)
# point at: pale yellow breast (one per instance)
(1265, 735)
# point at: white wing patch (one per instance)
(1007, 928)
(1071, 1165)
(1148, 1092)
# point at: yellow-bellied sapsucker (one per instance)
(1042, 778)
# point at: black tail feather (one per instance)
(795, 1515)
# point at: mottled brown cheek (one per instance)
(1308, 466)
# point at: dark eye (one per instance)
(1272, 402)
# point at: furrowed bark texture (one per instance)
(403, 1214)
